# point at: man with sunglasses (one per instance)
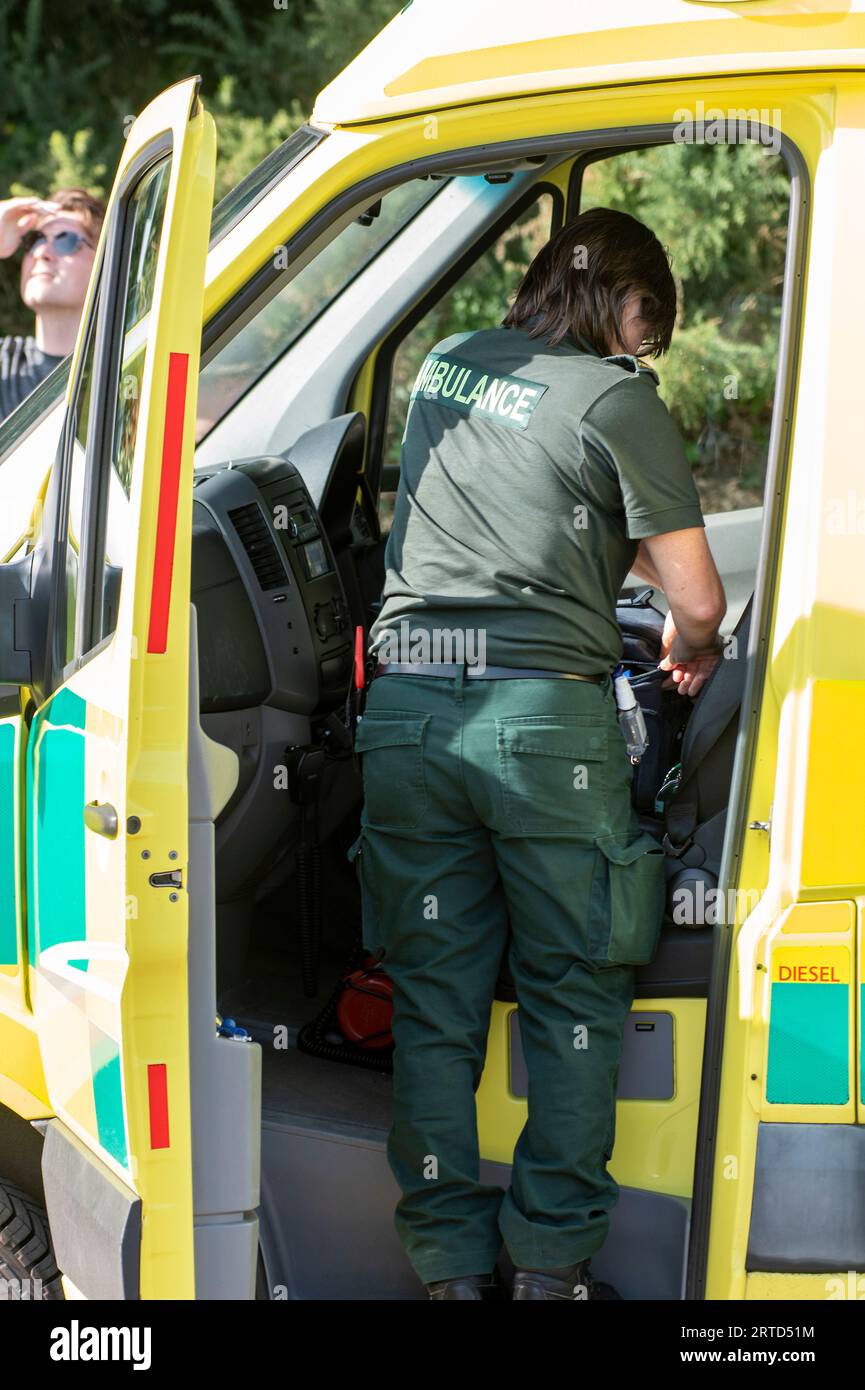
(58, 237)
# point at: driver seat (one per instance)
(696, 815)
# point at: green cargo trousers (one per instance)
(489, 802)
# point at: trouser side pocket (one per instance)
(359, 855)
(627, 903)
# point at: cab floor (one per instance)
(272, 1006)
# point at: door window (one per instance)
(146, 212)
(721, 211)
(252, 351)
(103, 430)
(78, 431)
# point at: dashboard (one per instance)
(274, 624)
(282, 573)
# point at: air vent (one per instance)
(255, 537)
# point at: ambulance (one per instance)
(195, 1075)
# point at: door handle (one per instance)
(101, 817)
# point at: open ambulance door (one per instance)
(100, 648)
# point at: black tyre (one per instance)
(27, 1267)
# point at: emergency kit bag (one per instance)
(665, 711)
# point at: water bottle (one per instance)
(631, 720)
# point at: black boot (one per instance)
(483, 1287)
(574, 1283)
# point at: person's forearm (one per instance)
(644, 569)
(693, 633)
(691, 586)
(694, 636)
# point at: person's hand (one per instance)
(688, 671)
(667, 637)
(18, 216)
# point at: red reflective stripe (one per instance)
(359, 673)
(157, 1086)
(169, 489)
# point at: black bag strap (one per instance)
(681, 822)
(704, 845)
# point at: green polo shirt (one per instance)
(528, 475)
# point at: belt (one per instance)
(420, 668)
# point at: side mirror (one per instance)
(16, 622)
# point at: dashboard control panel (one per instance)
(272, 609)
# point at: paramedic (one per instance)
(539, 467)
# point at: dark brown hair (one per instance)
(580, 280)
(90, 209)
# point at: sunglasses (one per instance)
(62, 243)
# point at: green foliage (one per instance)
(288, 48)
(720, 209)
(68, 163)
(74, 75)
(243, 140)
(709, 376)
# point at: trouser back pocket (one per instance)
(627, 900)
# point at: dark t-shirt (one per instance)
(22, 366)
(528, 475)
